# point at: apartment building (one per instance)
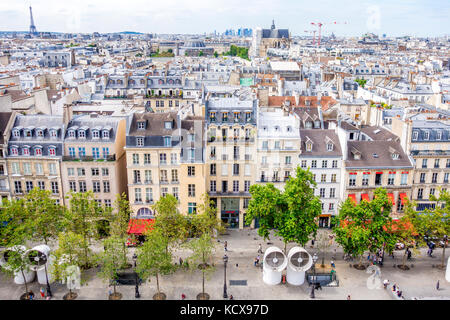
(6, 122)
(94, 158)
(231, 152)
(35, 150)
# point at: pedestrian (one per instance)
(225, 246)
(332, 264)
(380, 261)
(181, 262)
(42, 291)
(31, 295)
(231, 297)
(255, 262)
(258, 258)
(368, 257)
(374, 259)
(409, 254)
(237, 265)
(183, 296)
(385, 283)
(348, 297)
(312, 243)
(394, 287)
(437, 285)
(260, 248)
(399, 294)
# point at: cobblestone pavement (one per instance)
(418, 282)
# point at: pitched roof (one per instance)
(376, 154)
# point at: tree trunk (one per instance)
(203, 283)
(404, 256)
(285, 245)
(157, 282)
(24, 280)
(360, 260)
(114, 286)
(443, 255)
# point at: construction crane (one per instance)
(319, 25)
(314, 34)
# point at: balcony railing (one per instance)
(90, 158)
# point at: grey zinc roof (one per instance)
(4, 118)
(379, 133)
(320, 139)
(381, 149)
(87, 123)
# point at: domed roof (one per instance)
(194, 44)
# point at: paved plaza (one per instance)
(418, 282)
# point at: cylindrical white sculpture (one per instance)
(299, 261)
(447, 273)
(40, 259)
(18, 277)
(274, 262)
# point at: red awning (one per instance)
(365, 196)
(391, 198)
(353, 197)
(140, 226)
(404, 198)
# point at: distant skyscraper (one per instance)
(32, 26)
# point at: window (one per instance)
(265, 145)
(191, 190)
(162, 158)
(108, 203)
(322, 192)
(365, 180)
(173, 158)
(71, 134)
(448, 163)
(446, 177)
(81, 152)
(246, 202)
(324, 163)
(168, 124)
(212, 169)
(82, 185)
(191, 137)
(25, 151)
(235, 169)
(106, 187)
(352, 180)
(224, 186)
(135, 158)
(18, 186)
(41, 185)
(29, 185)
(167, 141)
(141, 125)
(14, 151)
(247, 170)
(224, 169)
(96, 186)
(52, 168)
(55, 188)
(323, 178)
(192, 207)
(191, 171)
(38, 152)
(332, 192)
(164, 176)
(422, 177)
(264, 160)
(246, 186)
(287, 160)
(314, 164)
(15, 168)
(81, 172)
(404, 178)
(148, 176)
(391, 178)
(105, 134)
(212, 186)
(329, 146)
(309, 146)
(303, 165)
(16, 133)
(72, 151)
(147, 158)
(70, 172)
(81, 134)
(426, 135)
(420, 193)
(331, 207)
(439, 135)
(148, 195)
(277, 145)
(95, 134)
(434, 178)
(136, 176)
(105, 172)
(139, 141)
(164, 192)
(174, 175)
(26, 168)
(73, 186)
(105, 153)
(137, 195)
(432, 191)
(175, 192)
(436, 163)
(235, 185)
(378, 177)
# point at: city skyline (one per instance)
(179, 17)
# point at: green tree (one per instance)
(82, 217)
(14, 226)
(119, 219)
(216, 54)
(45, 216)
(201, 54)
(70, 252)
(206, 220)
(17, 261)
(292, 213)
(153, 259)
(365, 226)
(169, 221)
(406, 232)
(110, 261)
(202, 252)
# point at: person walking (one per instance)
(231, 297)
(42, 291)
(257, 259)
(332, 264)
(225, 246)
(437, 285)
(385, 283)
(348, 297)
(183, 296)
(260, 248)
(255, 263)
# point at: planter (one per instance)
(403, 267)
(159, 296)
(203, 296)
(70, 296)
(360, 266)
(127, 266)
(24, 296)
(115, 296)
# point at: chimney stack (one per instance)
(67, 114)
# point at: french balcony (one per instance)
(90, 158)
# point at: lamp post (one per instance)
(136, 295)
(313, 283)
(42, 258)
(225, 260)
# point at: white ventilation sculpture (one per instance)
(447, 273)
(299, 261)
(274, 262)
(40, 259)
(18, 277)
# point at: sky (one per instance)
(353, 17)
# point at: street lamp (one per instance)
(136, 295)
(225, 260)
(40, 259)
(313, 283)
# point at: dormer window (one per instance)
(16, 133)
(415, 135)
(168, 124)
(105, 134)
(141, 125)
(395, 156)
(317, 124)
(236, 116)
(28, 133)
(439, 135)
(71, 134)
(52, 151)
(289, 129)
(168, 141)
(277, 128)
(140, 141)
(14, 151)
(40, 133)
(225, 117)
(426, 135)
(212, 116)
(95, 134)
(81, 134)
(329, 146)
(308, 146)
(248, 116)
(53, 133)
(308, 124)
(38, 151)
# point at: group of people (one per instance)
(396, 290)
(42, 292)
(375, 259)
